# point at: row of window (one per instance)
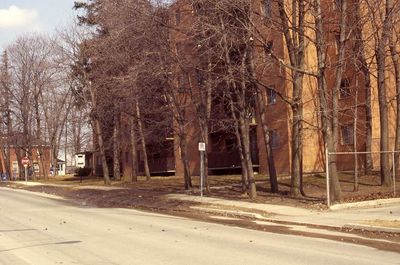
(230, 143)
(344, 90)
(266, 8)
(347, 136)
(15, 167)
(183, 82)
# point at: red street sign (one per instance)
(25, 161)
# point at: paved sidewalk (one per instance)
(385, 218)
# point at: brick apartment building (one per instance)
(279, 115)
(222, 153)
(39, 164)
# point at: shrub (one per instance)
(83, 171)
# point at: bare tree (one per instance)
(326, 119)
(382, 26)
(362, 64)
(6, 121)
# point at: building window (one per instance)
(183, 83)
(347, 134)
(251, 110)
(230, 144)
(15, 167)
(268, 48)
(126, 130)
(344, 88)
(126, 157)
(337, 4)
(199, 9)
(271, 95)
(337, 43)
(267, 8)
(177, 16)
(273, 139)
(36, 167)
(179, 49)
(200, 77)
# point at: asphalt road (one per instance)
(38, 230)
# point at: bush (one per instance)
(83, 171)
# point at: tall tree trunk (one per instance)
(245, 136)
(297, 137)
(3, 158)
(38, 135)
(396, 65)
(241, 119)
(383, 115)
(99, 134)
(239, 140)
(20, 154)
(386, 179)
(267, 142)
(135, 168)
(179, 117)
(326, 120)
(361, 61)
(184, 158)
(143, 141)
(294, 37)
(355, 148)
(340, 65)
(5, 82)
(297, 59)
(263, 120)
(204, 100)
(244, 120)
(204, 139)
(116, 148)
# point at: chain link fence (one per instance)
(360, 177)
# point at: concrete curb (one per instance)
(232, 212)
(375, 203)
(260, 217)
(372, 228)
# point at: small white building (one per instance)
(60, 167)
(80, 160)
(83, 159)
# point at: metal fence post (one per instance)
(394, 174)
(201, 172)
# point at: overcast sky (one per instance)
(22, 16)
